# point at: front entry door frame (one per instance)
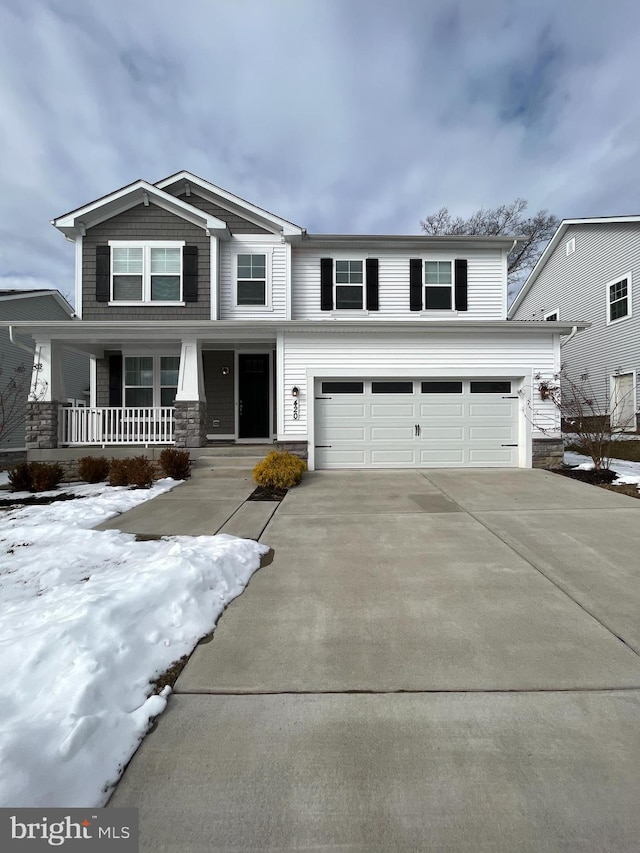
(269, 356)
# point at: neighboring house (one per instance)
(29, 305)
(210, 319)
(588, 273)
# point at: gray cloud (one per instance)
(341, 116)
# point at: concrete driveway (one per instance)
(434, 660)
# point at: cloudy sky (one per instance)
(340, 115)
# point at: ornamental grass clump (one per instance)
(279, 470)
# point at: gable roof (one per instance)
(35, 292)
(555, 240)
(232, 202)
(76, 221)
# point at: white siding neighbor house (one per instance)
(16, 361)
(589, 272)
(209, 319)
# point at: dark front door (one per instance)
(253, 395)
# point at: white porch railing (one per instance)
(116, 425)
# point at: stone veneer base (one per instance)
(547, 453)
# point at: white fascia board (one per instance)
(31, 294)
(243, 207)
(75, 222)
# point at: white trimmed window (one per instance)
(552, 315)
(438, 285)
(570, 246)
(251, 280)
(150, 380)
(619, 299)
(349, 285)
(149, 272)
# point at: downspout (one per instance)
(574, 332)
(19, 344)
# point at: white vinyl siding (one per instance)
(276, 273)
(486, 283)
(576, 286)
(395, 355)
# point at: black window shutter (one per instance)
(326, 284)
(415, 284)
(461, 285)
(115, 379)
(103, 273)
(372, 284)
(190, 273)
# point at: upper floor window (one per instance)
(146, 272)
(570, 246)
(438, 285)
(349, 285)
(618, 299)
(251, 280)
(552, 315)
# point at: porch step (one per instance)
(220, 465)
(214, 450)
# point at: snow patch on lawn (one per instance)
(628, 472)
(88, 619)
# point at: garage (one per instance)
(416, 422)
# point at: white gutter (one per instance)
(19, 344)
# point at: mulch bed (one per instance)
(170, 675)
(262, 493)
(32, 500)
(596, 478)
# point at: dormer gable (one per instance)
(76, 222)
(229, 207)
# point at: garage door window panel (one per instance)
(491, 387)
(441, 387)
(392, 387)
(343, 387)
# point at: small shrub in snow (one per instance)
(20, 478)
(93, 469)
(141, 471)
(279, 470)
(36, 476)
(136, 471)
(118, 472)
(175, 463)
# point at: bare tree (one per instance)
(509, 220)
(594, 424)
(14, 386)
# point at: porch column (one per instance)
(46, 393)
(191, 403)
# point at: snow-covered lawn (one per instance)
(628, 472)
(87, 620)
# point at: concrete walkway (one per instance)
(434, 660)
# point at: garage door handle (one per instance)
(513, 397)
(324, 398)
(508, 445)
(417, 430)
(323, 445)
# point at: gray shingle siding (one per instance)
(236, 224)
(576, 285)
(145, 223)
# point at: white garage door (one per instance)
(409, 423)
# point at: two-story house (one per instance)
(588, 272)
(209, 319)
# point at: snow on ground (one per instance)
(628, 472)
(87, 619)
